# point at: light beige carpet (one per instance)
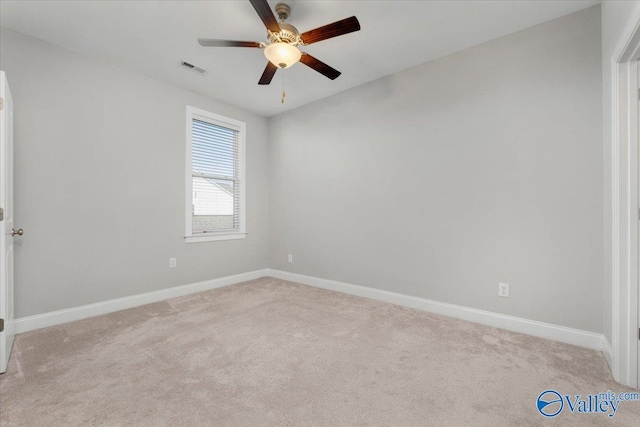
(270, 352)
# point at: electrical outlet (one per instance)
(172, 263)
(290, 258)
(503, 290)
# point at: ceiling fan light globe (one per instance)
(282, 55)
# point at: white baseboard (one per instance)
(517, 324)
(607, 351)
(39, 321)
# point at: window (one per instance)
(215, 177)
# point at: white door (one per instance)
(6, 224)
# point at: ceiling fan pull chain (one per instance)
(283, 92)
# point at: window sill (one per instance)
(214, 237)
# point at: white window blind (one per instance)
(216, 176)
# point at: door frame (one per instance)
(625, 204)
(6, 226)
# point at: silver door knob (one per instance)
(19, 232)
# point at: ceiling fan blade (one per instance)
(268, 74)
(264, 12)
(227, 43)
(328, 31)
(319, 66)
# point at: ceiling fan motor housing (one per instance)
(288, 34)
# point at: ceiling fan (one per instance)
(282, 49)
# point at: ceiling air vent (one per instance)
(191, 67)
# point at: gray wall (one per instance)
(615, 15)
(447, 178)
(100, 181)
(439, 181)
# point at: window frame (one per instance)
(241, 127)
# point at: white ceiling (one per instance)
(153, 36)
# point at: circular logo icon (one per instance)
(550, 403)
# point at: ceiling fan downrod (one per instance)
(283, 11)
